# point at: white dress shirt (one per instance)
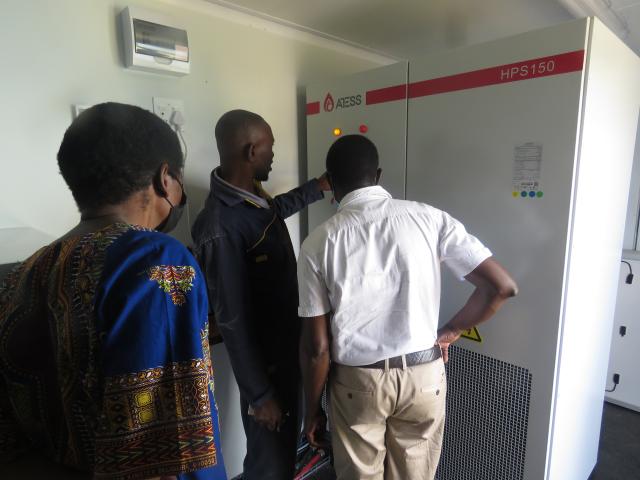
(376, 265)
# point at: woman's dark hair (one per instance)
(113, 150)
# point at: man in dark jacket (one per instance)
(244, 249)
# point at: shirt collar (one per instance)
(363, 194)
(232, 195)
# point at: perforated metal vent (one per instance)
(485, 433)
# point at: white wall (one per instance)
(67, 51)
(57, 53)
(632, 227)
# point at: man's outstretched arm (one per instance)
(295, 200)
(314, 364)
(494, 286)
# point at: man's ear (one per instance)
(329, 181)
(249, 152)
(378, 174)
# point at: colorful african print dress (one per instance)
(104, 358)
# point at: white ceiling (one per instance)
(629, 13)
(410, 28)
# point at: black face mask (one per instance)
(175, 213)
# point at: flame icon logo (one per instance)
(328, 103)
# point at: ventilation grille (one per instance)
(485, 432)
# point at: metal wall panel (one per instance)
(463, 146)
(511, 138)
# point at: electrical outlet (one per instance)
(164, 107)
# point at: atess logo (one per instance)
(342, 102)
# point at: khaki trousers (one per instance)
(387, 424)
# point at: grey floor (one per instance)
(619, 453)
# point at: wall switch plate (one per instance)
(164, 107)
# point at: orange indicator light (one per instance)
(337, 132)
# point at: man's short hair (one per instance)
(113, 150)
(352, 161)
(233, 130)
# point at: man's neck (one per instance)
(238, 179)
(339, 193)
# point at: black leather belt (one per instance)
(411, 359)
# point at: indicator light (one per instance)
(364, 128)
(337, 132)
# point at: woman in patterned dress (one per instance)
(104, 353)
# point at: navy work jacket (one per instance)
(246, 255)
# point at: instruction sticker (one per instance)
(527, 163)
(472, 334)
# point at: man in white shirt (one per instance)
(369, 280)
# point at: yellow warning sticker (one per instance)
(472, 334)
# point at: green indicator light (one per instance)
(539, 194)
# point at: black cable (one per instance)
(629, 279)
(616, 381)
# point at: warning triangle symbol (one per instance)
(472, 334)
